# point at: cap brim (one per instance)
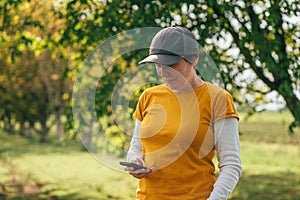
(161, 59)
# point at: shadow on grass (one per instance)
(254, 187)
(270, 186)
(32, 191)
(16, 184)
(14, 145)
(21, 195)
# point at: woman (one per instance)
(180, 126)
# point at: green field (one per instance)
(30, 170)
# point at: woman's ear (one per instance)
(195, 62)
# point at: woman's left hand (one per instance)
(140, 173)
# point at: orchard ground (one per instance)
(31, 170)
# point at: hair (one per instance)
(190, 58)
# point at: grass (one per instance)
(270, 157)
(30, 170)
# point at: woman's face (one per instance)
(176, 76)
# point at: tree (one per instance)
(34, 67)
(266, 40)
(43, 45)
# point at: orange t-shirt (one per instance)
(177, 140)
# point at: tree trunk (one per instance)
(44, 134)
(292, 102)
(45, 129)
(59, 124)
(22, 129)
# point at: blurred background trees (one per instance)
(255, 45)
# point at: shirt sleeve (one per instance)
(223, 106)
(139, 110)
(228, 153)
(135, 149)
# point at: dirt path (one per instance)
(18, 183)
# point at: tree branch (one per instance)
(249, 58)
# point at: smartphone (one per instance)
(135, 166)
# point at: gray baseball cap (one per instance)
(172, 44)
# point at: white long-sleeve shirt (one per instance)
(226, 141)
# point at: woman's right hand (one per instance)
(140, 173)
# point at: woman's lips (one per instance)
(169, 80)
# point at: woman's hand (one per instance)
(139, 173)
